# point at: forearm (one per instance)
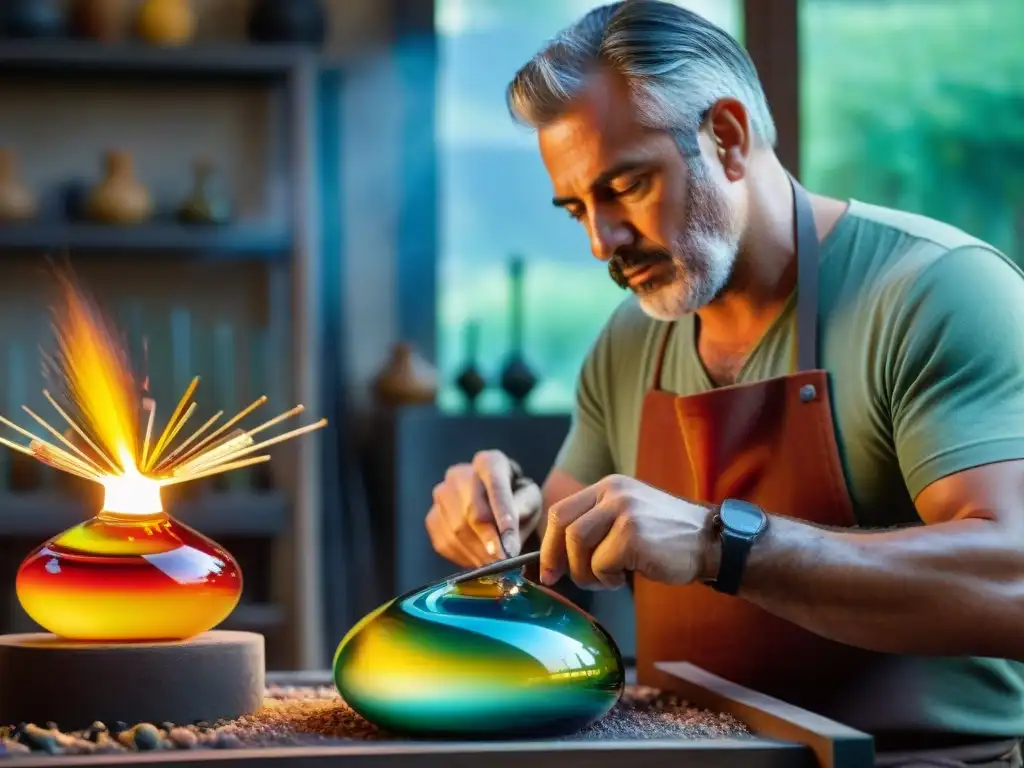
(955, 588)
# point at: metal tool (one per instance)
(501, 566)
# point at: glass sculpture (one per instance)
(497, 656)
(129, 578)
(132, 573)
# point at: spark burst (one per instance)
(111, 419)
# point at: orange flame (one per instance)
(99, 376)
(104, 405)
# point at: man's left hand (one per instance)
(620, 524)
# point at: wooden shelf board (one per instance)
(83, 57)
(242, 242)
(227, 514)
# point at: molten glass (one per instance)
(129, 578)
(498, 656)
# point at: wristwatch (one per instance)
(738, 524)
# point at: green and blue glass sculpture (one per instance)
(497, 656)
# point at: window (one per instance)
(918, 105)
(495, 204)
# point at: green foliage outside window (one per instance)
(918, 105)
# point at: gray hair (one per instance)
(677, 65)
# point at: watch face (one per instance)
(742, 518)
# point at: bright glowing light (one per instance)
(132, 494)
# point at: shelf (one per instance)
(227, 514)
(236, 242)
(82, 57)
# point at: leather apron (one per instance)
(772, 443)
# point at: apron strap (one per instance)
(808, 256)
(659, 361)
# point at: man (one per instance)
(801, 436)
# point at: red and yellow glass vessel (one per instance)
(132, 573)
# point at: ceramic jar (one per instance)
(166, 22)
(407, 378)
(101, 20)
(17, 203)
(206, 203)
(119, 198)
(28, 19)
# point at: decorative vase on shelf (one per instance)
(470, 381)
(166, 22)
(288, 21)
(17, 203)
(517, 379)
(407, 378)
(32, 19)
(101, 20)
(206, 203)
(120, 198)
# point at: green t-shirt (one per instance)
(921, 328)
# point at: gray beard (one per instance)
(703, 257)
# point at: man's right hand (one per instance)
(476, 519)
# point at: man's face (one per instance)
(659, 217)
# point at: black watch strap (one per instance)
(739, 524)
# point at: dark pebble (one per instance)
(93, 732)
(183, 738)
(11, 747)
(107, 745)
(52, 726)
(19, 729)
(228, 741)
(118, 727)
(167, 727)
(146, 737)
(39, 739)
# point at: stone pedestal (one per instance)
(213, 675)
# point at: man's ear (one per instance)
(728, 125)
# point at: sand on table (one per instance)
(311, 715)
